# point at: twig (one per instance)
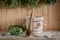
(30, 19)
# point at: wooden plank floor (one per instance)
(24, 38)
(29, 38)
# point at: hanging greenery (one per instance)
(50, 1)
(30, 2)
(12, 3)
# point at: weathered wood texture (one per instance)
(17, 16)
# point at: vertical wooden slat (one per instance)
(0, 18)
(3, 21)
(50, 17)
(19, 15)
(23, 14)
(8, 23)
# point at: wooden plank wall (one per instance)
(54, 16)
(17, 16)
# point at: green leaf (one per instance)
(15, 30)
(12, 3)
